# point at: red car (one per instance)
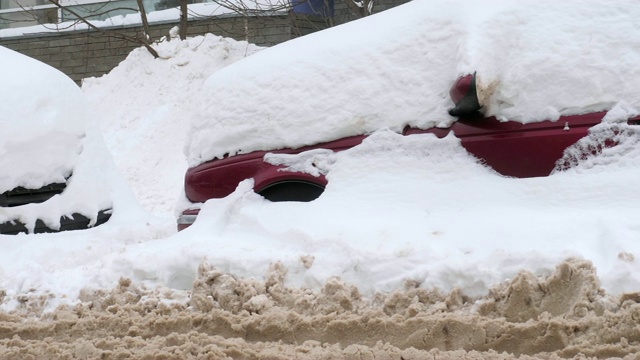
(510, 148)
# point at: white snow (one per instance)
(46, 122)
(535, 60)
(148, 105)
(396, 208)
(48, 136)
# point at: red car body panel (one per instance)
(219, 178)
(516, 149)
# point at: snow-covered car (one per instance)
(510, 148)
(528, 83)
(51, 153)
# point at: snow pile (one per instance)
(145, 106)
(564, 315)
(421, 209)
(534, 61)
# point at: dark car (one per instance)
(52, 176)
(20, 196)
(511, 148)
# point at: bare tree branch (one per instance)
(145, 42)
(361, 8)
(145, 23)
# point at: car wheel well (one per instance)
(292, 190)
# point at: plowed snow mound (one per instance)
(563, 315)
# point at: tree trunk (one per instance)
(183, 19)
(145, 22)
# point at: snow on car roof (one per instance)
(43, 116)
(48, 137)
(395, 68)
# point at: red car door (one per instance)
(515, 149)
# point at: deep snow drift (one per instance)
(147, 107)
(398, 211)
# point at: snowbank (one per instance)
(145, 106)
(563, 315)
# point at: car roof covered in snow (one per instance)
(534, 60)
(43, 120)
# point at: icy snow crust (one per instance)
(534, 61)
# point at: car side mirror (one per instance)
(464, 96)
